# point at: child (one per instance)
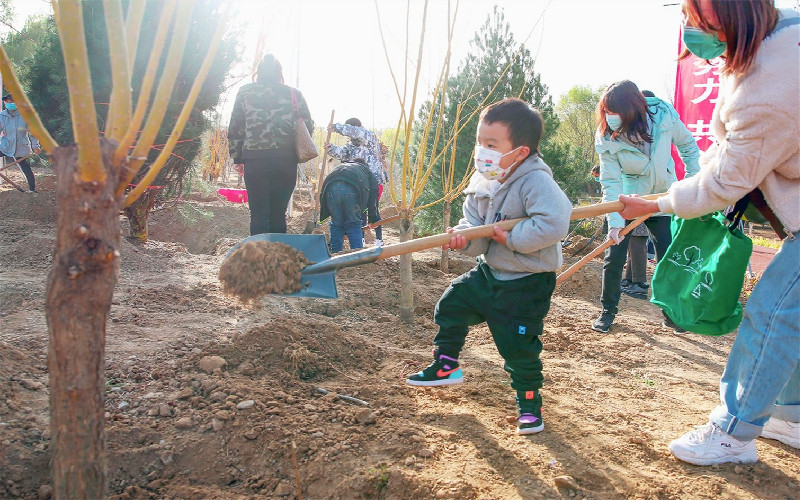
(511, 286)
(365, 148)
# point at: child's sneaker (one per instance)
(709, 445)
(443, 371)
(529, 405)
(782, 430)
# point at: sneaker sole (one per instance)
(744, 458)
(530, 430)
(787, 440)
(597, 329)
(434, 383)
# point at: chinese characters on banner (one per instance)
(696, 91)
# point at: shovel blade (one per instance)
(315, 248)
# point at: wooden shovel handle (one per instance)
(322, 171)
(472, 233)
(597, 251)
(15, 162)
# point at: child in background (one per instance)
(511, 287)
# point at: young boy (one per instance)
(511, 286)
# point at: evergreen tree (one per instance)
(492, 49)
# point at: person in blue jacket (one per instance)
(16, 141)
(634, 141)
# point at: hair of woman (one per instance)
(624, 99)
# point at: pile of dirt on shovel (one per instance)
(259, 268)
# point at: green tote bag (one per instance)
(699, 280)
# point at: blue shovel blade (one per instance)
(315, 248)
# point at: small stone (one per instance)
(247, 368)
(186, 393)
(737, 470)
(316, 435)
(123, 405)
(164, 410)
(511, 419)
(566, 482)
(31, 385)
(184, 423)
(636, 440)
(167, 457)
(223, 415)
(210, 363)
(410, 461)
(282, 490)
(425, 453)
(251, 434)
(366, 417)
(45, 492)
(218, 396)
(217, 424)
(245, 405)
(152, 412)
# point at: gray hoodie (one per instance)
(533, 245)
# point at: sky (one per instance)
(332, 50)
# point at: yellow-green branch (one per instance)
(146, 89)
(81, 99)
(25, 108)
(177, 130)
(133, 26)
(119, 110)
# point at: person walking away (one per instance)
(16, 141)
(511, 287)
(364, 147)
(348, 191)
(261, 140)
(634, 139)
(757, 126)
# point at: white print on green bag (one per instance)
(691, 261)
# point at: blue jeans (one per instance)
(762, 376)
(344, 205)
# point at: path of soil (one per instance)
(206, 397)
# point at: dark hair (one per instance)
(269, 70)
(353, 121)
(8, 97)
(524, 122)
(625, 99)
(648, 93)
(745, 24)
(595, 171)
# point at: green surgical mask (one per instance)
(703, 44)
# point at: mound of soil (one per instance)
(208, 398)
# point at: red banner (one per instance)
(696, 92)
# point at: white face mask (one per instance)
(487, 163)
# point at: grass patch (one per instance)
(766, 242)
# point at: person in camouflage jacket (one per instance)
(362, 147)
(261, 138)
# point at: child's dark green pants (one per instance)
(514, 310)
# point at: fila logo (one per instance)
(726, 445)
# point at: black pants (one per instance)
(514, 310)
(269, 182)
(25, 166)
(616, 255)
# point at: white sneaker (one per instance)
(708, 445)
(378, 243)
(784, 431)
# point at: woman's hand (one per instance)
(457, 241)
(613, 235)
(636, 207)
(239, 168)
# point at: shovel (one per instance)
(319, 278)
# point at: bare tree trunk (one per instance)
(138, 213)
(445, 263)
(406, 276)
(79, 291)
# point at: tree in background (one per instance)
(44, 78)
(496, 68)
(575, 135)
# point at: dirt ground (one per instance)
(208, 398)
